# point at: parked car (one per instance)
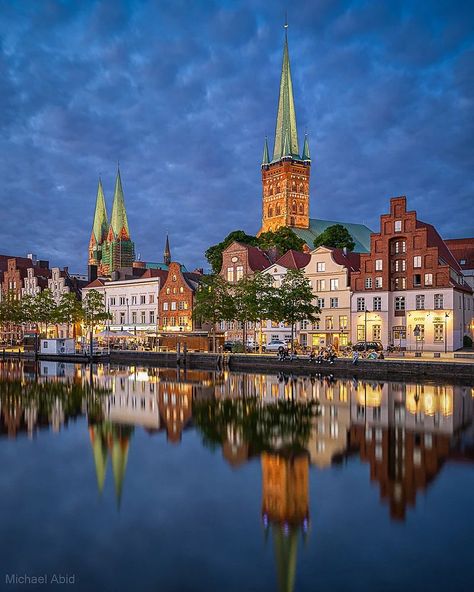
(274, 346)
(373, 345)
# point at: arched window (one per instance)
(293, 208)
(293, 186)
(270, 191)
(301, 209)
(270, 212)
(278, 210)
(301, 188)
(278, 188)
(292, 221)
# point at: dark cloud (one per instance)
(183, 93)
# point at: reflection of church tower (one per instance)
(285, 508)
(285, 178)
(110, 439)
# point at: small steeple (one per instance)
(266, 157)
(306, 155)
(167, 252)
(286, 117)
(118, 221)
(101, 224)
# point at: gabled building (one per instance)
(463, 251)
(410, 291)
(286, 175)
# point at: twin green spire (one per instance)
(119, 221)
(286, 133)
(101, 223)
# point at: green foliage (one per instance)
(282, 239)
(94, 309)
(10, 309)
(336, 236)
(213, 301)
(214, 253)
(44, 308)
(69, 309)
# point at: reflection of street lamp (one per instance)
(446, 316)
(365, 329)
(128, 311)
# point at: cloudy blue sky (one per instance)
(183, 92)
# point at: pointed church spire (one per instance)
(119, 455)
(306, 154)
(286, 117)
(118, 221)
(100, 455)
(266, 157)
(101, 224)
(167, 252)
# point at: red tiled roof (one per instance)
(348, 259)
(293, 259)
(258, 260)
(97, 283)
(462, 249)
(434, 240)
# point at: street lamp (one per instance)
(446, 316)
(365, 329)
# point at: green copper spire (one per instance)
(306, 155)
(266, 157)
(119, 220)
(99, 448)
(286, 118)
(119, 463)
(286, 548)
(101, 224)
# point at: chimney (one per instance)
(91, 273)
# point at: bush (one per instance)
(467, 341)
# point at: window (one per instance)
(122, 318)
(398, 225)
(400, 303)
(428, 279)
(368, 283)
(152, 316)
(165, 305)
(438, 330)
(320, 266)
(240, 272)
(329, 323)
(334, 284)
(321, 302)
(122, 300)
(134, 318)
(420, 330)
(173, 306)
(134, 299)
(343, 323)
(378, 265)
(230, 274)
(360, 304)
(151, 298)
(180, 305)
(360, 333)
(334, 302)
(400, 247)
(143, 319)
(400, 265)
(438, 301)
(420, 302)
(377, 303)
(462, 262)
(142, 299)
(417, 279)
(181, 289)
(417, 261)
(320, 285)
(376, 332)
(378, 282)
(168, 290)
(305, 325)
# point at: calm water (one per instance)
(130, 478)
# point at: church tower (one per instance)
(99, 228)
(285, 177)
(118, 250)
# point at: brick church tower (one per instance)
(285, 178)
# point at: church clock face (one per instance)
(234, 259)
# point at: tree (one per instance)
(44, 309)
(214, 253)
(10, 312)
(69, 310)
(336, 236)
(94, 310)
(294, 301)
(282, 239)
(213, 302)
